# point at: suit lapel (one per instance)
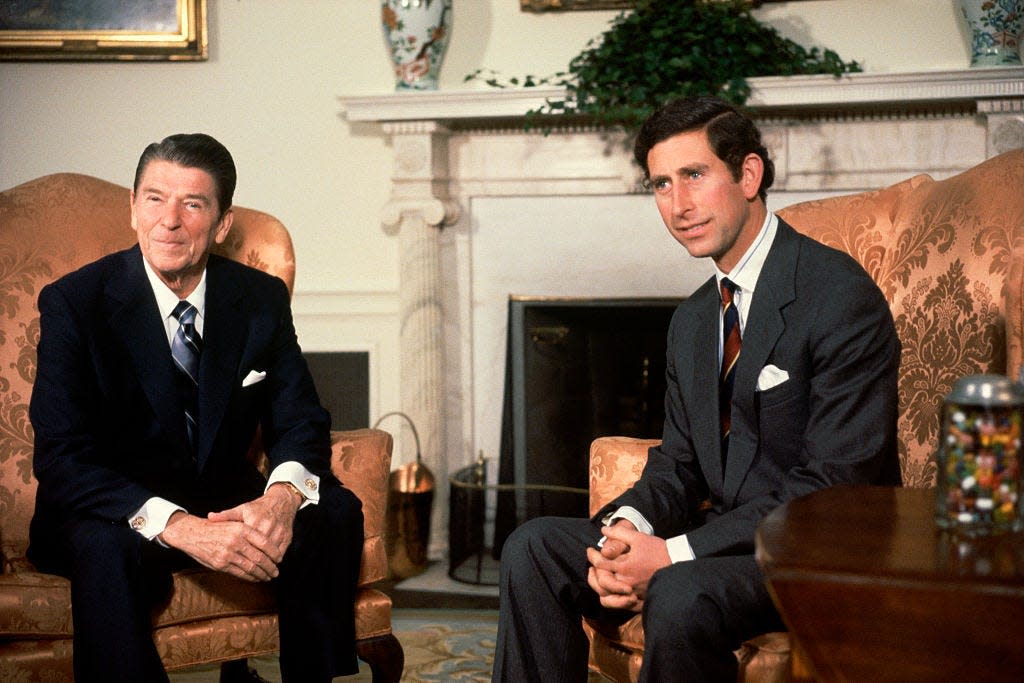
(765, 325)
(224, 336)
(135, 319)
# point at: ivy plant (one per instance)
(665, 49)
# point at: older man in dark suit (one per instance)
(781, 377)
(156, 366)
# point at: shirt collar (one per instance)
(166, 300)
(746, 272)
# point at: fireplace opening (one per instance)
(576, 369)
(342, 380)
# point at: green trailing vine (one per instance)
(665, 49)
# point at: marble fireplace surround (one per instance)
(484, 210)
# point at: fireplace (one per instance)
(576, 369)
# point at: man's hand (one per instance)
(230, 547)
(272, 515)
(622, 568)
(247, 541)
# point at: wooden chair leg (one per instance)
(385, 656)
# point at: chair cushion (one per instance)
(766, 658)
(205, 594)
(629, 634)
(34, 605)
(617, 652)
(37, 605)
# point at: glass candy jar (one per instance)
(979, 457)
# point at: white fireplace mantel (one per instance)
(523, 211)
(767, 92)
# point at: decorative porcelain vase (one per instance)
(416, 32)
(996, 27)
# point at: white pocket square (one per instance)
(771, 376)
(253, 377)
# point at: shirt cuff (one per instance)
(151, 519)
(679, 549)
(633, 515)
(304, 481)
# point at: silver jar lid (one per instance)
(986, 390)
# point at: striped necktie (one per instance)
(730, 354)
(185, 349)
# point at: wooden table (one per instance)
(872, 590)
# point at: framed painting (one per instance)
(173, 30)
(566, 5)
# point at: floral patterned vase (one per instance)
(996, 27)
(417, 34)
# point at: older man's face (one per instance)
(177, 220)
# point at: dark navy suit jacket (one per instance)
(109, 427)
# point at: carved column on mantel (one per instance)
(419, 207)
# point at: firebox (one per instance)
(576, 369)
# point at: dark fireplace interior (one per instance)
(575, 370)
(342, 380)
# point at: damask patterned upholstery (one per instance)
(48, 227)
(949, 257)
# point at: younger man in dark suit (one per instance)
(156, 365)
(781, 377)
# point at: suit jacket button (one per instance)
(138, 522)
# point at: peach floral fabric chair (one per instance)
(949, 257)
(48, 227)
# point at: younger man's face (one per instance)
(704, 208)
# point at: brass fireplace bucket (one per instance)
(407, 521)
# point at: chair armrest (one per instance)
(361, 460)
(615, 463)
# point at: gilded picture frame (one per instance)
(581, 5)
(566, 5)
(169, 30)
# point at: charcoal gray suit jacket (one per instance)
(819, 317)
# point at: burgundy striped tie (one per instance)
(730, 354)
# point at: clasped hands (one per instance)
(621, 569)
(248, 541)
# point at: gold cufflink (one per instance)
(138, 522)
(310, 484)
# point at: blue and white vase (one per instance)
(417, 33)
(996, 27)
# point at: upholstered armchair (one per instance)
(49, 227)
(949, 257)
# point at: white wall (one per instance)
(269, 92)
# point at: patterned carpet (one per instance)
(446, 645)
(439, 644)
